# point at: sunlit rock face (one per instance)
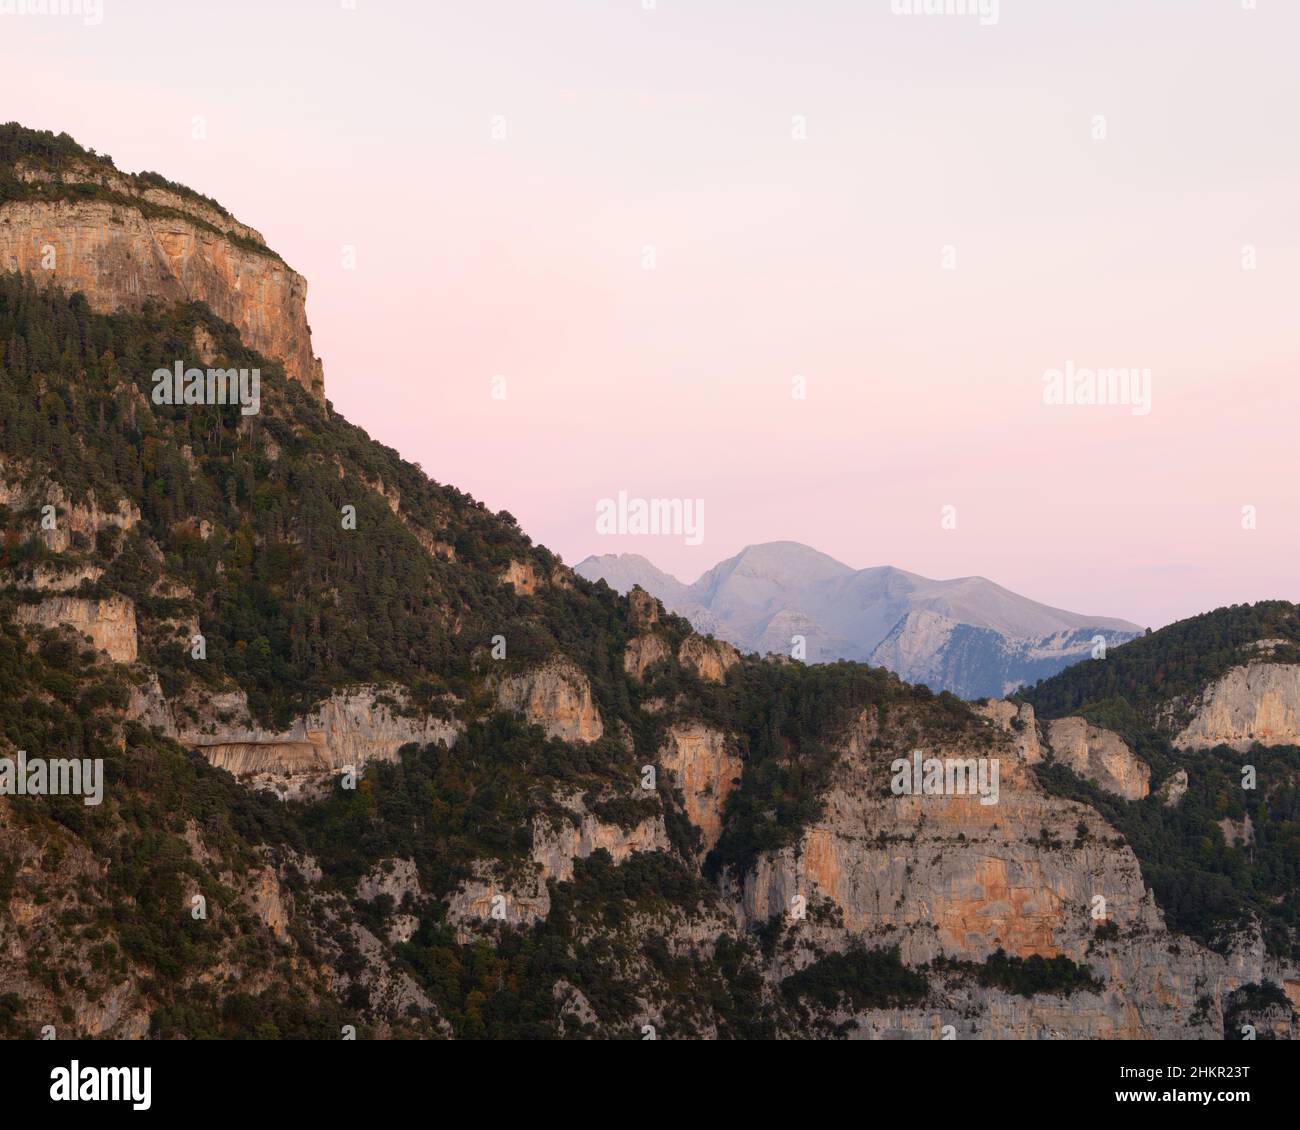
(348, 730)
(161, 245)
(947, 875)
(557, 697)
(1258, 702)
(1100, 755)
(110, 623)
(702, 763)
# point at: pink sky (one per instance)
(821, 257)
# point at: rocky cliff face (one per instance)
(109, 623)
(1174, 789)
(1092, 752)
(557, 843)
(1257, 702)
(155, 244)
(707, 659)
(349, 729)
(643, 652)
(1017, 720)
(1100, 755)
(703, 764)
(946, 875)
(649, 647)
(523, 577)
(518, 895)
(60, 520)
(557, 697)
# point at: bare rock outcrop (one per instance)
(493, 894)
(1016, 719)
(86, 517)
(395, 878)
(110, 623)
(945, 874)
(1174, 788)
(644, 609)
(517, 893)
(643, 652)
(1258, 702)
(160, 245)
(349, 729)
(555, 696)
(51, 578)
(398, 880)
(523, 577)
(556, 845)
(703, 764)
(575, 1009)
(263, 895)
(707, 659)
(1100, 755)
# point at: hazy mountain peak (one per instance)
(623, 570)
(965, 634)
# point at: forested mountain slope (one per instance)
(373, 758)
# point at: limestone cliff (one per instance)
(557, 697)
(707, 659)
(1174, 788)
(1017, 720)
(1100, 755)
(134, 243)
(70, 521)
(1257, 702)
(643, 652)
(109, 623)
(518, 894)
(349, 729)
(557, 843)
(946, 875)
(523, 577)
(703, 764)
(643, 609)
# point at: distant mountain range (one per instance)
(966, 635)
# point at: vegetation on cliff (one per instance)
(1210, 883)
(241, 528)
(57, 153)
(1125, 691)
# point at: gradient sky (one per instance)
(774, 257)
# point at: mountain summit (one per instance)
(966, 635)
